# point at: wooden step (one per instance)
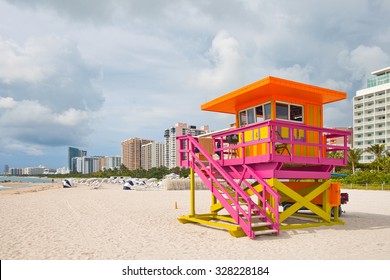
(260, 224)
(258, 217)
(240, 202)
(229, 192)
(264, 232)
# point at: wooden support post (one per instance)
(192, 192)
(325, 201)
(213, 202)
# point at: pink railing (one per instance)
(304, 144)
(209, 170)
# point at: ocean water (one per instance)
(22, 180)
(25, 179)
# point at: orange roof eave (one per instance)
(272, 88)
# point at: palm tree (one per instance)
(335, 154)
(354, 157)
(381, 163)
(377, 150)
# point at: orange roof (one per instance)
(274, 88)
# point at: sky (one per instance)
(92, 73)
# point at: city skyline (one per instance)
(74, 152)
(89, 78)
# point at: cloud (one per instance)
(22, 64)
(24, 113)
(363, 60)
(338, 114)
(23, 149)
(31, 123)
(72, 117)
(101, 12)
(295, 72)
(81, 10)
(7, 102)
(61, 76)
(225, 62)
(47, 94)
(337, 85)
(96, 72)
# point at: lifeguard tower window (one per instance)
(255, 114)
(259, 114)
(267, 111)
(289, 112)
(251, 115)
(282, 111)
(243, 121)
(296, 113)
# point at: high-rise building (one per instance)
(131, 152)
(33, 170)
(91, 165)
(15, 171)
(86, 165)
(371, 114)
(6, 168)
(72, 153)
(62, 170)
(152, 155)
(109, 162)
(171, 156)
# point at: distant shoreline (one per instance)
(25, 187)
(6, 179)
(11, 185)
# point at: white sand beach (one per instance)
(49, 222)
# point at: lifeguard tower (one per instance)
(274, 162)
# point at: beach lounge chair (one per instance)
(280, 147)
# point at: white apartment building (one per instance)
(171, 155)
(62, 170)
(87, 165)
(152, 155)
(33, 170)
(110, 162)
(371, 114)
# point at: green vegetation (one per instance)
(374, 175)
(354, 157)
